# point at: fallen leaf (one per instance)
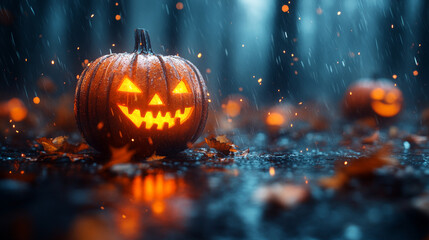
(118, 156)
(60, 145)
(363, 166)
(283, 195)
(154, 157)
(221, 143)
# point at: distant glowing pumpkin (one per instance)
(150, 102)
(380, 98)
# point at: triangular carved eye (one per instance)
(128, 86)
(181, 88)
(156, 100)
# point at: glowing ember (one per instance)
(272, 171)
(179, 5)
(285, 8)
(17, 110)
(36, 100)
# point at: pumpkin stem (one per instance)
(142, 42)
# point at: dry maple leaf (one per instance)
(283, 195)
(363, 166)
(154, 157)
(60, 145)
(118, 156)
(221, 143)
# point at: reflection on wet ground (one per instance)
(192, 196)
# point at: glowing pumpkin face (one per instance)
(153, 110)
(151, 103)
(373, 98)
(386, 102)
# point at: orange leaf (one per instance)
(118, 156)
(363, 166)
(222, 144)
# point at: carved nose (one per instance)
(156, 100)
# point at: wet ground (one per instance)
(194, 196)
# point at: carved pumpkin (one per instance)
(151, 103)
(367, 98)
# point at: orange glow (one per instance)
(415, 73)
(156, 100)
(275, 119)
(272, 171)
(159, 120)
(395, 76)
(386, 105)
(392, 96)
(199, 55)
(128, 86)
(181, 88)
(285, 8)
(118, 17)
(36, 100)
(386, 110)
(179, 5)
(155, 189)
(232, 108)
(17, 110)
(158, 207)
(148, 190)
(377, 94)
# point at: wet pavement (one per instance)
(194, 196)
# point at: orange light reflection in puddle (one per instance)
(156, 199)
(155, 189)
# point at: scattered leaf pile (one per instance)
(361, 167)
(60, 147)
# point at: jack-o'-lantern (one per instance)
(151, 103)
(368, 98)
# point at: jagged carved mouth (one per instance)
(160, 119)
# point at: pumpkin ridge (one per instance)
(77, 98)
(164, 70)
(109, 86)
(195, 97)
(96, 115)
(204, 103)
(94, 70)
